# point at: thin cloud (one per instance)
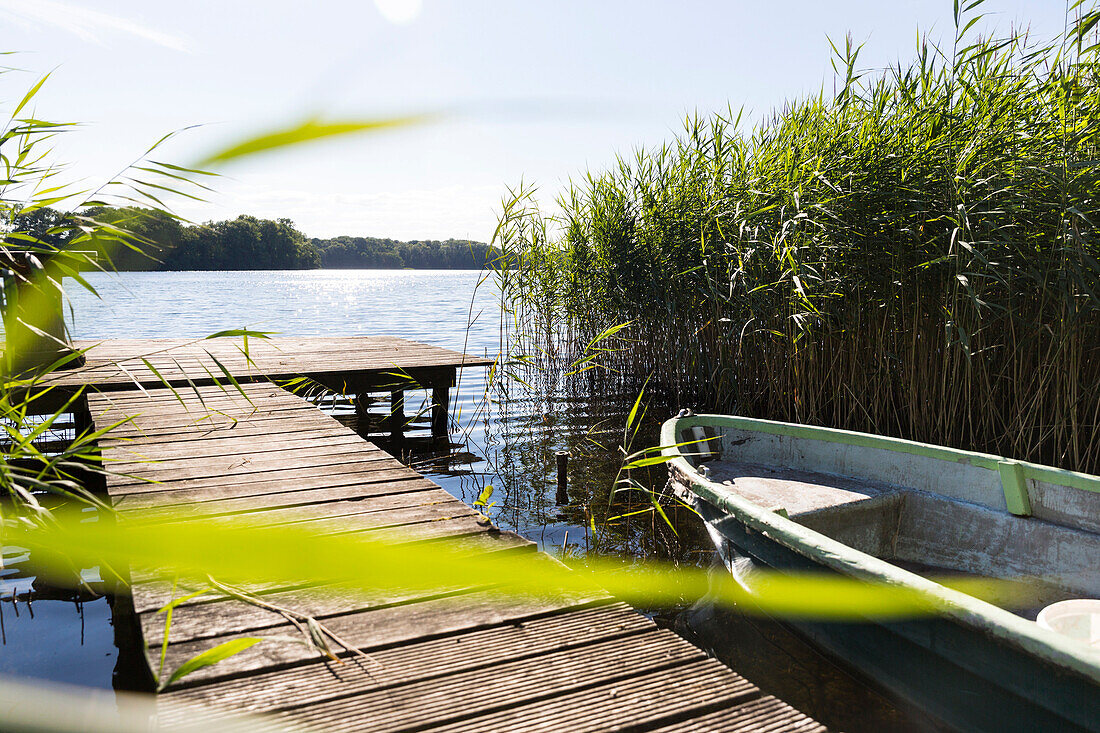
(398, 12)
(88, 25)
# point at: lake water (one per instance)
(422, 305)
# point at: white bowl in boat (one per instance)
(1078, 618)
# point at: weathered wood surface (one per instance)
(458, 658)
(347, 364)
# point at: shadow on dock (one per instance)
(784, 664)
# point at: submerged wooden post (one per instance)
(441, 405)
(82, 417)
(563, 476)
(397, 413)
(362, 412)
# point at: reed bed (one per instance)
(916, 255)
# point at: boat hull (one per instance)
(967, 679)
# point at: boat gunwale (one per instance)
(1035, 471)
(969, 610)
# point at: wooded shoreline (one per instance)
(147, 239)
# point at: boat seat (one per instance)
(793, 490)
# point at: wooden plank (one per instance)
(509, 684)
(278, 348)
(338, 377)
(407, 508)
(352, 363)
(225, 617)
(343, 481)
(227, 466)
(434, 523)
(411, 663)
(415, 491)
(163, 396)
(144, 417)
(168, 456)
(133, 420)
(255, 394)
(302, 469)
(395, 359)
(286, 345)
(180, 359)
(416, 526)
(287, 430)
(638, 702)
(113, 376)
(212, 447)
(265, 390)
(210, 619)
(758, 716)
(229, 405)
(213, 425)
(250, 395)
(183, 428)
(149, 412)
(177, 436)
(377, 628)
(392, 483)
(152, 590)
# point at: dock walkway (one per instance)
(350, 365)
(457, 659)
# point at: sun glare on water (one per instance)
(399, 11)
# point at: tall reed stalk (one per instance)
(915, 256)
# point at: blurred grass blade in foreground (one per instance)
(236, 552)
(309, 130)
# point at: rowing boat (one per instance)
(781, 497)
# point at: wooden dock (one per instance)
(457, 659)
(351, 365)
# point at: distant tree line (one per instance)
(375, 253)
(244, 243)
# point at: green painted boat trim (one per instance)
(1034, 471)
(1014, 484)
(966, 609)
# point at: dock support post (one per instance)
(82, 417)
(362, 412)
(441, 406)
(562, 457)
(397, 413)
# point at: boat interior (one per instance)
(936, 517)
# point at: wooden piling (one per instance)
(441, 409)
(562, 457)
(396, 418)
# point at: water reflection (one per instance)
(510, 443)
(51, 633)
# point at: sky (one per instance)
(517, 91)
